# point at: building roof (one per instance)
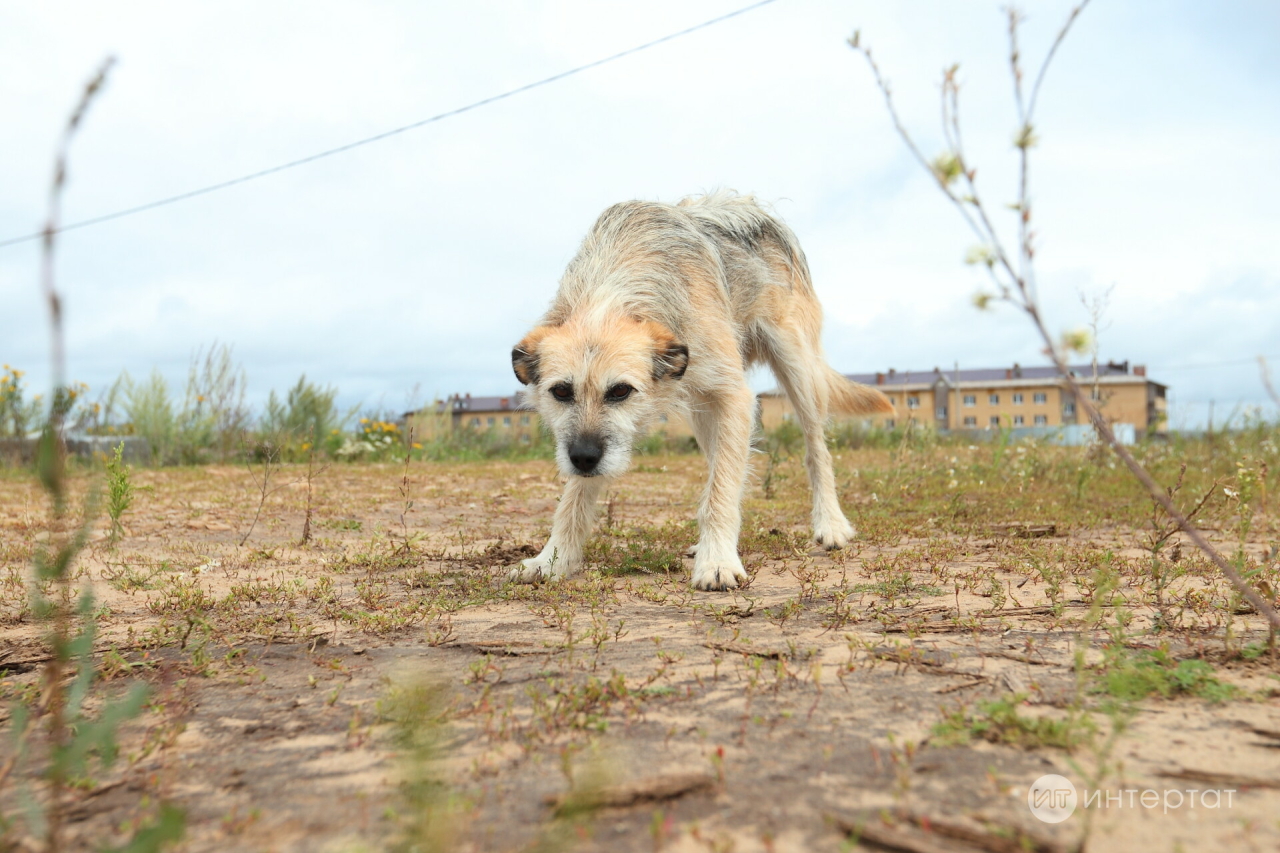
(463, 403)
(1108, 372)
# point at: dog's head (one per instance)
(598, 385)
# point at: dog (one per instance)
(664, 308)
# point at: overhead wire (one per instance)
(302, 161)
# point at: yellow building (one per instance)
(462, 411)
(991, 398)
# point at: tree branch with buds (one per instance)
(1012, 273)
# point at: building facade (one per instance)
(994, 398)
(462, 411)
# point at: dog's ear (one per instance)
(524, 356)
(670, 358)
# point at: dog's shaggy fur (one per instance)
(664, 308)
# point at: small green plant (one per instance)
(998, 721)
(119, 491)
(430, 814)
(1129, 676)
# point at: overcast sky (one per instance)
(419, 260)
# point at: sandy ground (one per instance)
(798, 714)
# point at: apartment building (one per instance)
(991, 398)
(462, 411)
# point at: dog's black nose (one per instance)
(585, 453)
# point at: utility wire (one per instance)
(253, 176)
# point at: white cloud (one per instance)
(420, 259)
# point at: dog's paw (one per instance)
(692, 550)
(835, 534)
(717, 575)
(536, 569)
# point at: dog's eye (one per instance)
(562, 392)
(621, 391)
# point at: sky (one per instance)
(405, 269)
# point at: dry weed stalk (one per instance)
(1014, 276)
(74, 738)
(270, 451)
(52, 466)
(312, 473)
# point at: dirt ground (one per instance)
(384, 687)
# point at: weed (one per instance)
(1132, 675)
(74, 741)
(430, 812)
(119, 491)
(998, 721)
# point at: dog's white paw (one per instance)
(692, 550)
(716, 575)
(834, 534)
(537, 569)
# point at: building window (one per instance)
(995, 422)
(994, 399)
(970, 400)
(1069, 410)
(889, 423)
(1017, 399)
(1018, 420)
(913, 402)
(1095, 395)
(1040, 398)
(524, 420)
(475, 422)
(491, 421)
(971, 421)
(940, 413)
(1042, 420)
(506, 421)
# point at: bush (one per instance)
(17, 415)
(308, 416)
(150, 413)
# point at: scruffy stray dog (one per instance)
(664, 308)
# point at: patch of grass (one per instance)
(1132, 675)
(998, 721)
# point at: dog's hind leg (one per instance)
(574, 519)
(726, 421)
(802, 371)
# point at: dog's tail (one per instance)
(847, 397)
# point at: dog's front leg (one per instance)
(717, 565)
(574, 518)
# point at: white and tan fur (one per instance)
(665, 308)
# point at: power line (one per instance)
(84, 223)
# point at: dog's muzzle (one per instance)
(585, 452)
